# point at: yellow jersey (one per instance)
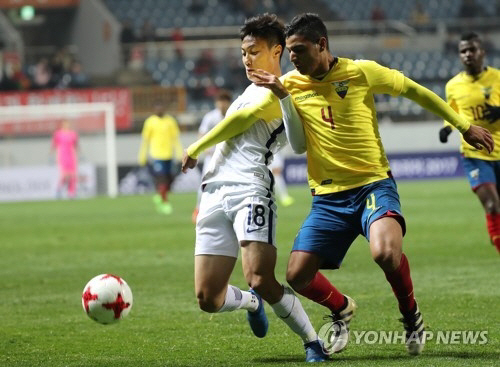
(344, 149)
(467, 95)
(162, 136)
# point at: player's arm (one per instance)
(476, 136)
(294, 128)
(229, 127)
(143, 150)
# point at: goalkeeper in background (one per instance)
(475, 94)
(161, 139)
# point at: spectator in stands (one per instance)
(57, 68)
(127, 36)
(378, 13)
(41, 74)
(378, 17)
(148, 32)
(74, 77)
(178, 38)
(205, 64)
(497, 9)
(419, 16)
(470, 9)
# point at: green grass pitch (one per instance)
(49, 250)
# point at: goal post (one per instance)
(27, 123)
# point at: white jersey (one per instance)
(210, 119)
(245, 157)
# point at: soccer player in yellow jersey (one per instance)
(475, 94)
(335, 121)
(161, 141)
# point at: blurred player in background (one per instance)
(277, 166)
(348, 171)
(223, 100)
(237, 207)
(161, 138)
(475, 94)
(65, 145)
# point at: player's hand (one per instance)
(270, 81)
(188, 162)
(444, 133)
(491, 113)
(479, 137)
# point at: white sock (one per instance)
(280, 185)
(236, 299)
(290, 310)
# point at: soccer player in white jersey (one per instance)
(223, 100)
(237, 206)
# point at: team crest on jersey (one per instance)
(487, 92)
(341, 88)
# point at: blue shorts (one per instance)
(480, 171)
(337, 219)
(162, 167)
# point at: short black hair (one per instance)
(265, 26)
(471, 36)
(308, 25)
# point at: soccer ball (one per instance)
(107, 298)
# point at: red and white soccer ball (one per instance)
(107, 298)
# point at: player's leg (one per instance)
(216, 252)
(161, 170)
(384, 227)
(72, 183)
(255, 224)
(259, 261)
(322, 242)
(211, 279)
(489, 198)
(482, 178)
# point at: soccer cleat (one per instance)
(287, 200)
(341, 319)
(315, 352)
(258, 319)
(165, 208)
(415, 331)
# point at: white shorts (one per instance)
(233, 213)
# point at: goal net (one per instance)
(30, 169)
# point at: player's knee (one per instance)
(206, 303)
(297, 279)
(387, 256)
(259, 282)
(492, 207)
